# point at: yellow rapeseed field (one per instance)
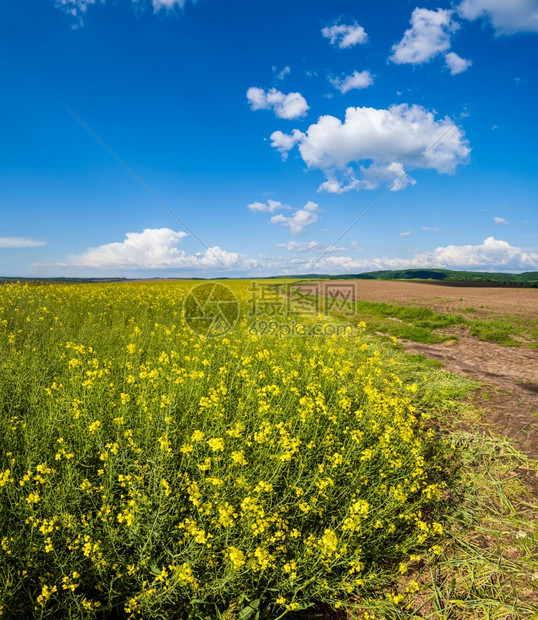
(147, 471)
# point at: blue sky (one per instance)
(268, 128)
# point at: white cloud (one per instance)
(154, 248)
(492, 254)
(267, 207)
(77, 8)
(280, 75)
(299, 221)
(456, 63)
(356, 80)
(307, 246)
(428, 36)
(344, 36)
(292, 105)
(393, 175)
(506, 16)
(19, 242)
(500, 220)
(431, 228)
(304, 246)
(284, 142)
(385, 140)
(407, 233)
(167, 4)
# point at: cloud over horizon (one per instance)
(492, 254)
(20, 242)
(157, 250)
(154, 248)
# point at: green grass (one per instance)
(489, 564)
(422, 324)
(506, 330)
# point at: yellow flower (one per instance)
(197, 436)
(329, 542)
(46, 593)
(239, 457)
(94, 426)
(237, 557)
(216, 444)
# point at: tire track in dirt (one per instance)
(511, 378)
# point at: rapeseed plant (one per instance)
(151, 472)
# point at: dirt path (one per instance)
(510, 397)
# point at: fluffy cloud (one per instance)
(267, 207)
(492, 254)
(500, 220)
(292, 105)
(407, 233)
(392, 175)
(19, 242)
(298, 222)
(344, 36)
(284, 142)
(388, 140)
(428, 36)
(456, 64)
(506, 16)
(154, 248)
(356, 80)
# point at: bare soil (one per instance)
(451, 299)
(510, 375)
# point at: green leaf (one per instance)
(249, 610)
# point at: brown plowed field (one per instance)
(452, 299)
